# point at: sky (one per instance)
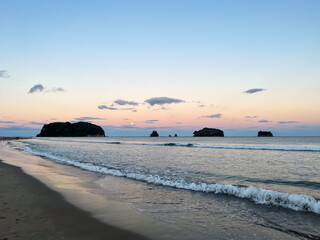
(173, 66)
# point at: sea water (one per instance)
(221, 186)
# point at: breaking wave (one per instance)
(258, 195)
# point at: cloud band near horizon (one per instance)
(218, 115)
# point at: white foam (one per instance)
(258, 195)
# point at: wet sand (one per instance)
(30, 210)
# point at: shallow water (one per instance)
(209, 185)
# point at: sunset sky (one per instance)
(173, 66)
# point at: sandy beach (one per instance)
(30, 210)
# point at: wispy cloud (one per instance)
(88, 118)
(127, 109)
(151, 121)
(288, 122)
(106, 107)
(162, 108)
(54, 89)
(37, 123)
(19, 131)
(124, 102)
(6, 122)
(251, 117)
(162, 101)
(115, 109)
(36, 88)
(4, 74)
(129, 130)
(254, 90)
(128, 126)
(264, 121)
(200, 104)
(41, 88)
(303, 126)
(218, 115)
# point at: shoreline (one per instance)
(101, 197)
(30, 210)
(83, 191)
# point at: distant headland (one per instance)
(67, 129)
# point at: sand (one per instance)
(30, 210)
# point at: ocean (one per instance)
(213, 186)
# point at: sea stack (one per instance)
(67, 129)
(154, 134)
(265, 134)
(209, 132)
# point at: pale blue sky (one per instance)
(206, 51)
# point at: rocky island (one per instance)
(67, 129)
(154, 134)
(265, 134)
(209, 132)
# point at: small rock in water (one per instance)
(265, 134)
(154, 134)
